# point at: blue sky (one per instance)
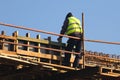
(101, 19)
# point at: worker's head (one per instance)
(69, 15)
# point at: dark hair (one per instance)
(69, 15)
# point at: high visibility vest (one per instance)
(74, 25)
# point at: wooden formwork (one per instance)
(35, 51)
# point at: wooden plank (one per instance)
(7, 52)
(103, 58)
(28, 53)
(8, 37)
(57, 66)
(35, 54)
(33, 39)
(11, 59)
(111, 74)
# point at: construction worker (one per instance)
(72, 27)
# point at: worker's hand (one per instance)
(59, 39)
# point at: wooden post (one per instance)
(14, 46)
(49, 45)
(38, 37)
(83, 49)
(16, 35)
(2, 33)
(28, 43)
(60, 44)
(2, 44)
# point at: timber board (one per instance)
(33, 39)
(8, 37)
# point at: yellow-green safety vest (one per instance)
(74, 25)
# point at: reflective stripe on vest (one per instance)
(74, 25)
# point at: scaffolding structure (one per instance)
(23, 51)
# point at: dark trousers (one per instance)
(70, 46)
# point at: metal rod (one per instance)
(90, 55)
(36, 30)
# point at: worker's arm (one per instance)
(64, 27)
